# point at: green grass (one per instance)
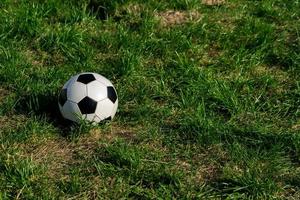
(209, 106)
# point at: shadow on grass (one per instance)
(102, 9)
(99, 9)
(44, 106)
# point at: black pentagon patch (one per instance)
(62, 97)
(87, 105)
(111, 94)
(86, 78)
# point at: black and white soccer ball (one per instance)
(88, 96)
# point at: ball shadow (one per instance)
(44, 106)
(103, 9)
(100, 8)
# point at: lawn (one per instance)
(209, 99)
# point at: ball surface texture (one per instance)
(88, 96)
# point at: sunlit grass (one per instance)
(209, 99)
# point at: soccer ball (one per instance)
(88, 96)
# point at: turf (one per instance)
(209, 99)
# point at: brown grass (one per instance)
(11, 122)
(296, 127)
(210, 55)
(172, 17)
(203, 167)
(58, 153)
(55, 154)
(33, 57)
(213, 2)
(3, 94)
(208, 165)
(39, 58)
(133, 9)
(276, 73)
(115, 132)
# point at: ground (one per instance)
(209, 99)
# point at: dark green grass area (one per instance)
(209, 105)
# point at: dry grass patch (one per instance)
(213, 2)
(208, 166)
(105, 56)
(173, 17)
(296, 127)
(11, 122)
(59, 153)
(279, 75)
(39, 58)
(3, 94)
(115, 132)
(209, 55)
(33, 58)
(56, 154)
(206, 173)
(275, 72)
(157, 146)
(133, 9)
